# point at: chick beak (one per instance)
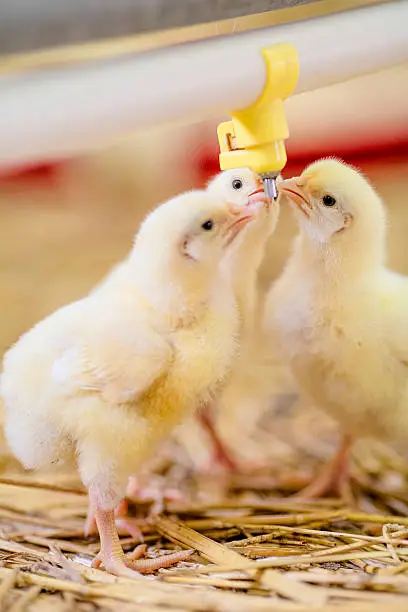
(233, 229)
(291, 188)
(257, 198)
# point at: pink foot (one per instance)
(131, 566)
(333, 479)
(158, 494)
(126, 525)
(112, 557)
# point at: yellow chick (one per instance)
(243, 188)
(106, 378)
(238, 188)
(339, 315)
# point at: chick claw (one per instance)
(147, 566)
(132, 565)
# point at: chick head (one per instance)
(334, 202)
(241, 187)
(195, 227)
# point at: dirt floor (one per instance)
(255, 547)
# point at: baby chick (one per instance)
(106, 378)
(339, 315)
(241, 187)
(238, 188)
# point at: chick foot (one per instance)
(333, 479)
(158, 493)
(221, 455)
(126, 525)
(114, 560)
(147, 566)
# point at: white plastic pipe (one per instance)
(54, 113)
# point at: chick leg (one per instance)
(221, 455)
(131, 526)
(111, 554)
(113, 558)
(125, 526)
(140, 490)
(334, 478)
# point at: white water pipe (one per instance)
(52, 113)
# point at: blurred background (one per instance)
(64, 223)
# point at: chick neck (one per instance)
(177, 290)
(346, 259)
(243, 262)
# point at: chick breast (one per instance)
(342, 352)
(95, 381)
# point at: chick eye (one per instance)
(328, 200)
(208, 225)
(237, 184)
